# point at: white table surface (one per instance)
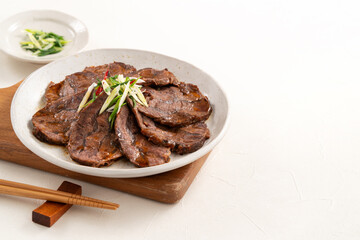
(289, 166)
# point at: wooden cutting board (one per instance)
(167, 187)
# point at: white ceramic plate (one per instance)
(49, 21)
(29, 98)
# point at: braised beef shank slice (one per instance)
(181, 140)
(80, 81)
(154, 77)
(134, 145)
(114, 68)
(52, 92)
(92, 142)
(176, 106)
(51, 124)
(73, 83)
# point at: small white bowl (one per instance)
(12, 31)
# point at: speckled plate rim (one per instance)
(107, 172)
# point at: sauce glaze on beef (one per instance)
(92, 142)
(134, 145)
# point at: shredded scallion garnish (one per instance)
(86, 96)
(109, 99)
(42, 43)
(117, 88)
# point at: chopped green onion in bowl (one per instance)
(43, 43)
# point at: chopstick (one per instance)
(46, 190)
(30, 191)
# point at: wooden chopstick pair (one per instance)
(30, 191)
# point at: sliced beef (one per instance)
(114, 68)
(92, 142)
(174, 120)
(52, 92)
(52, 123)
(176, 106)
(77, 82)
(153, 77)
(134, 145)
(181, 139)
(80, 81)
(74, 83)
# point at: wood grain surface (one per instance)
(49, 212)
(167, 187)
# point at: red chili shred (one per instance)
(100, 89)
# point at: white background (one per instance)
(289, 166)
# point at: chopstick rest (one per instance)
(49, 212)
